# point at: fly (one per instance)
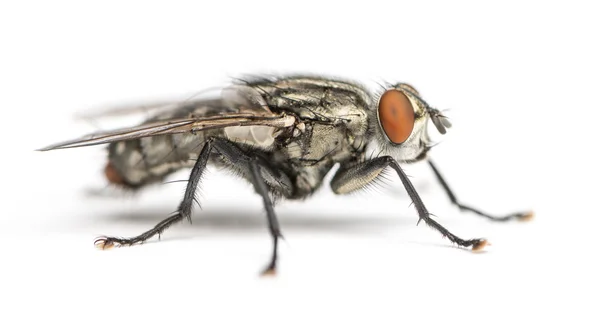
(283, 135)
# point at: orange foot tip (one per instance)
(269, 272)
(527, 217)
(480, 245)
(102, 243)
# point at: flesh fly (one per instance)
(283, 135)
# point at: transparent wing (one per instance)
(163, 127)
(237, 106)
(232, 97)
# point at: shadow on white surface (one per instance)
(228, 219)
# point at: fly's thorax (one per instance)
(311, 142)
(332, 117)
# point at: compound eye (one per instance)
(396, 115)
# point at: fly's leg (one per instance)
(263, 177)
(522, 216)
(184, 210)
(262, 189)
(358, 176)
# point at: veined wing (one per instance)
(182, 125)
(231, 97)
(237, 106)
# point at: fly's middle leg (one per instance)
(358, 176)
(521, 216)
(262, 189)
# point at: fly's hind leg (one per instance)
(355, 177)
(266, 180)
(184, 210)
(522, 216)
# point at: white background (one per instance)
(521, 85)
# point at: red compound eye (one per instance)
(396, 115)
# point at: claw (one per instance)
(477, 247)
(269, 272)
(103, 243)
(527, 216)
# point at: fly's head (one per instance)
(402, 118)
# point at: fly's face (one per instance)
(402, 118)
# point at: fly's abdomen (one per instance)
(136, 163)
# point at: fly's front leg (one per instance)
(522, 216)
(184, 210)
(358, 176)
